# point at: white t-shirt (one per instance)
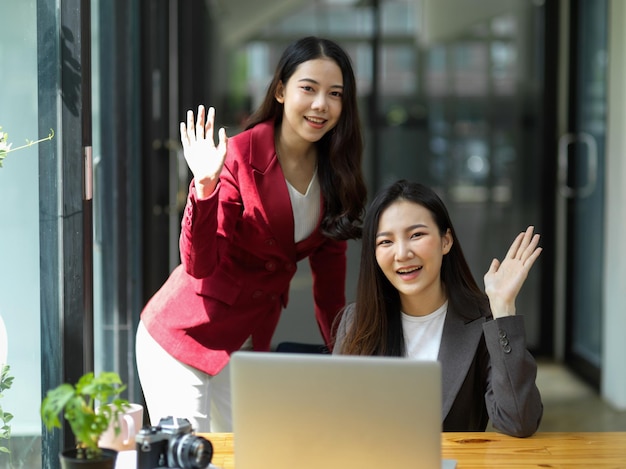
(306, 208)
(422, 334)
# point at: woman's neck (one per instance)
(423, 304)
(297, 160)
(293, 150)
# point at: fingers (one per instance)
(528, 245)
(513, 250)
(195, 130)
(524, 245)
(528, 263)
(222, 135)
(198, 130)
(200, 123)
(210, 122)
(526, 238)
(495, 265)
(191, 128)
(184, 138)
(187, 134)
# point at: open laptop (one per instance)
(315, 411)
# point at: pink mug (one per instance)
(130, 422)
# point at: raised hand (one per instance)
(204, 158)
(504, 279)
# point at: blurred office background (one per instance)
(514, 110)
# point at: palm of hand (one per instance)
(504, 280)
(204, 158)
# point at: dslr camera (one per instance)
(172, 443)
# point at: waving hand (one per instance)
(204, 158)
(504, 279)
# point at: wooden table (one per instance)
(601, 450)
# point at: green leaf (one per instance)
(76, 404)
(54, 403)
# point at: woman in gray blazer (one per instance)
(417, 298)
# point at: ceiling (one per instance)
(240, 20)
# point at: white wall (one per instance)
(614, 344)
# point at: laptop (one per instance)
(320, 411)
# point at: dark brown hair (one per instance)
(376, 327)
(340, 150)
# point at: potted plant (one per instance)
(77, 404)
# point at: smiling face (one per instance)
(312, 100)
(409, 251)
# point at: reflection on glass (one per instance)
(19, 246)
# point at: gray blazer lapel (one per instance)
(459, 342)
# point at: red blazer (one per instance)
(238, 258)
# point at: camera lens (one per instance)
(191, 452)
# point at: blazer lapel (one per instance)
(271, 185)
(459, 341)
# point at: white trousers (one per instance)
(172, 388)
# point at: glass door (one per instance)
(581, 186)
(485, 120)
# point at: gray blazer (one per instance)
(487, 373)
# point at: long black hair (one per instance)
(340, 150)
(376, 328)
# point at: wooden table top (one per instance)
(583, 450)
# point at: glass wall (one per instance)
(45, 293)
(483, 94)
(19, 230)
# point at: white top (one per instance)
(306, 208)
(422, 334)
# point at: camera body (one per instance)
(172, 443)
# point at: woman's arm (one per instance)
(201, 222)
(512, 398)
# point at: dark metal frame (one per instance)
(65, 203)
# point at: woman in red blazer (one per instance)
(287, 188)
